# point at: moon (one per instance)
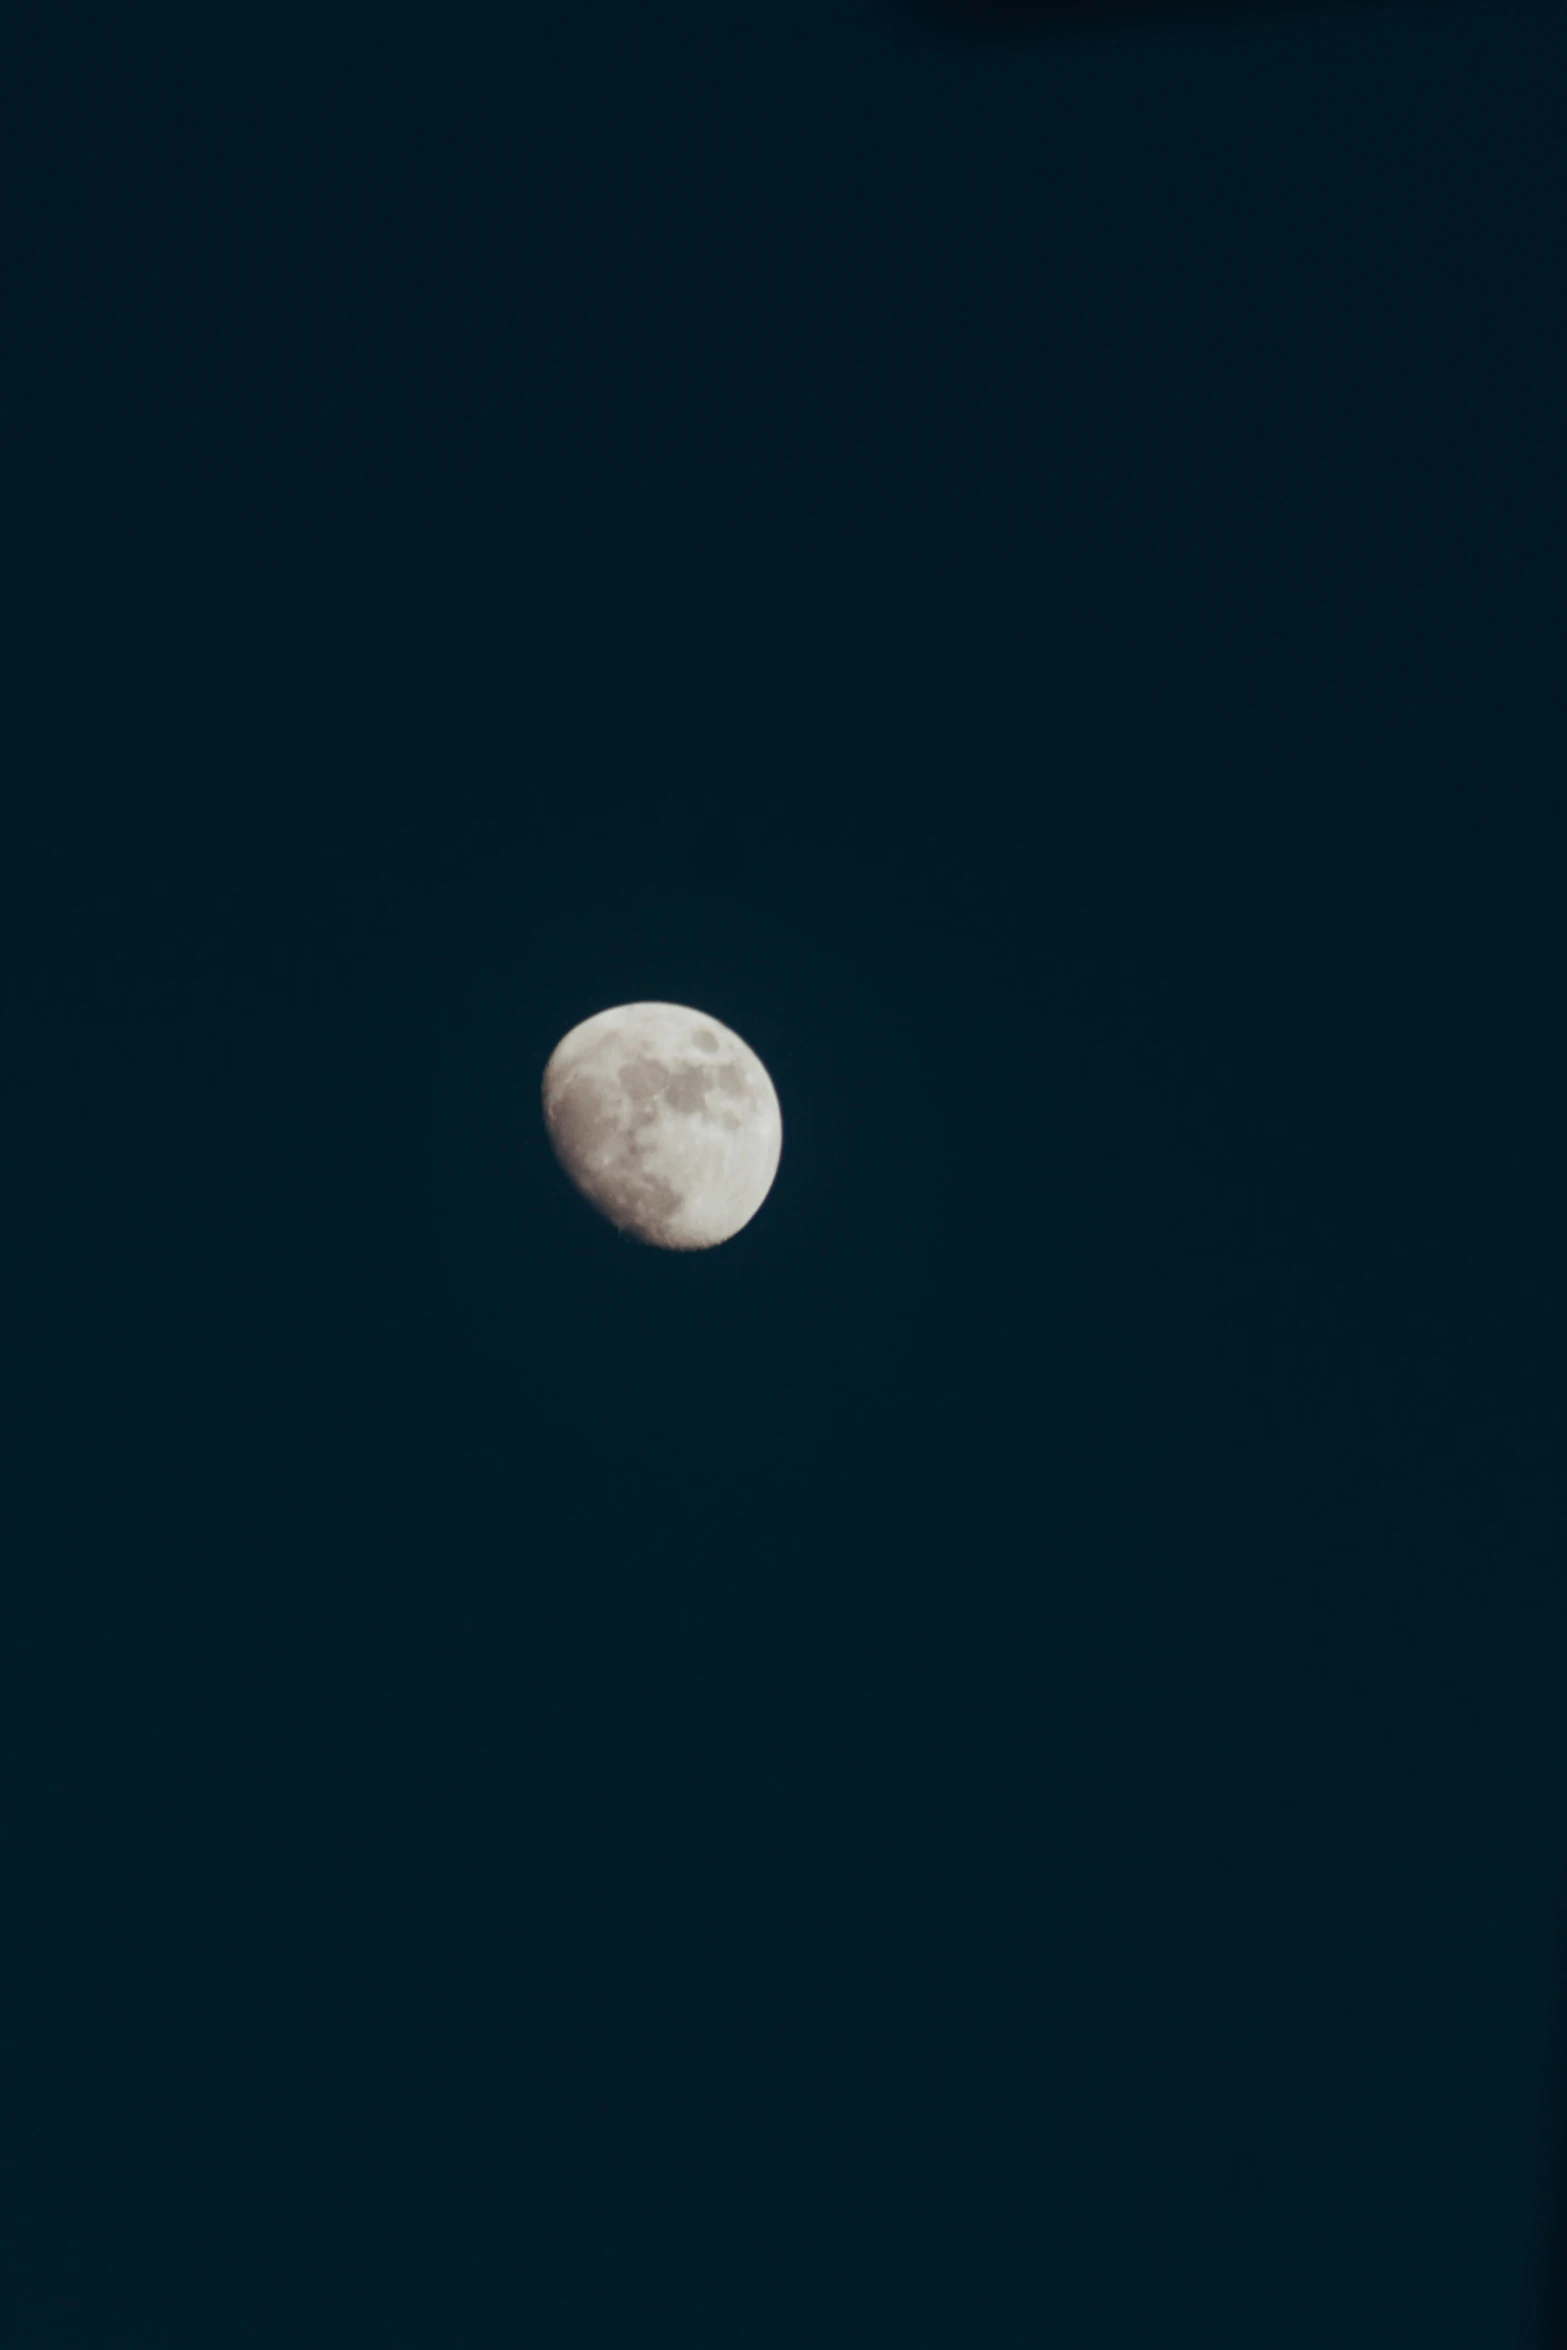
(665, 1121)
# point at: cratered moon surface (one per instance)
(666, 1121)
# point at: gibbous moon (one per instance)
(666, 1121)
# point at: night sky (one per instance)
(985, 1764)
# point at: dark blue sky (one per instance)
(985, 1764)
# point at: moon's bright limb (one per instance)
(666, 1121)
